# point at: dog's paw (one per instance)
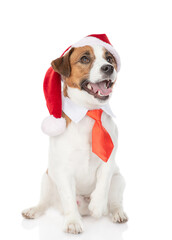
(119, 216)
(73, 225)
(97, 207)
(32, 213)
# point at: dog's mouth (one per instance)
(100, 90)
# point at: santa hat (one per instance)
(55, 124)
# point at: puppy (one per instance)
(77, 181)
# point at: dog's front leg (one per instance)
(99, 197)
(66, 189)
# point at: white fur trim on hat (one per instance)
(91, 41)
(53, 126)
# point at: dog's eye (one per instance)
(85, 60)
(109, 59)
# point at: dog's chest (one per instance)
(71, 153)
(85, 163)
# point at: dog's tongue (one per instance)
(101, 86)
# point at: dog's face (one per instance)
(89, 74)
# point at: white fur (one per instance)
(53, 126)
(78, 182)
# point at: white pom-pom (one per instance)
(53, 126)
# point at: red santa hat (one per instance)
(54, 124)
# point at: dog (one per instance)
(77, 181)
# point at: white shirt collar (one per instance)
(76, 113)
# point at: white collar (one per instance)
(76, 113)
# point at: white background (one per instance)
(33, 33)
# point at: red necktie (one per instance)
(102, 144)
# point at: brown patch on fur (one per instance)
(65, 90)
(68, 120)
(106, 53)
(62, 64)
(79, 71)
(47, 171)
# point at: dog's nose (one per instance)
(107, 68)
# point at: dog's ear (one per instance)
(62, 64)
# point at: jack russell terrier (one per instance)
(82, 176)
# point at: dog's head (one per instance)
(89, 74)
